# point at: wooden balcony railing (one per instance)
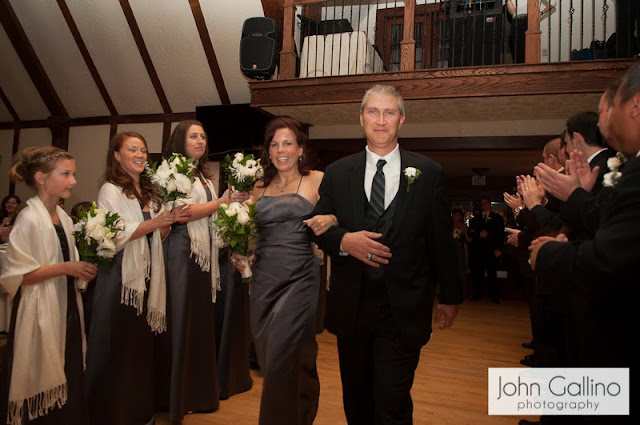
(572, 30)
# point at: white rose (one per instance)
(183, 183)
(176, 161)
(101, 217)
(238, 156)
(410, 172)
(613, 163)
(97, 233)
(163, 171)
(91, 224)
(230, 212)
(251, 163)
(171, 186)
(106, 249)
(243, 216)
(608, 179)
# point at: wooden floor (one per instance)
(450, 386)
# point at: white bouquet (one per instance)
(236, 226)
(173, 177)
(242, 171)
(94, 232)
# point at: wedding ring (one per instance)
(369, 256)
(234, 260)
(315, 229)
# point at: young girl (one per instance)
(42, 380)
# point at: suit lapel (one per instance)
(356, 183)
(402, 199)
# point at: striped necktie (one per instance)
(377, 189)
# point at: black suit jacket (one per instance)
(421, 242)
(495, 229)
(604, 272)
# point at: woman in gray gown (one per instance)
(188, 353)
(286, 277)
(128, 303)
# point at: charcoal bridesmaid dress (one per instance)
(284, 302)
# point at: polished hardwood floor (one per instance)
(450, 385)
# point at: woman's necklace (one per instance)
(285, 186)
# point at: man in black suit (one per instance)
(487, 244)
(604, 270)
(583, 135)
(392, 251)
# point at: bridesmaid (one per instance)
(193, 277)
(129, 303)
(42, 378)
(286, 282)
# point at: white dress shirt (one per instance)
(391, 172)
(595, 154)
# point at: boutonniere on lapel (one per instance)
(614, 163)
(412, 174)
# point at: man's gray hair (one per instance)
(387, 90)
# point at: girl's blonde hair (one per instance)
(26, 163)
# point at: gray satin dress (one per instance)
(283, 307)
(187, 374)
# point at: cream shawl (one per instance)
(137, 261)
(37, 374)
(202, 233)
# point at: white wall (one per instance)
(152, 133)
(31, 137)
(562, 42)
(6, 149)
(88, 145)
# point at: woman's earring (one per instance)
(300, 158)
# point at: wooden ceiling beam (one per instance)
(144, 53)
(86, 56)
(9, 106)
(30, 60)
(210, 53)
(104, 120)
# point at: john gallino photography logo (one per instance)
(558, 391)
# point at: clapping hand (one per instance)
(532, 193)
(514, 201)
(579, 174)
(363, 246)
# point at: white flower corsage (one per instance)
(614, 163)
(412, 174)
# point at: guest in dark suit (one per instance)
(604, 269)
(582, 134)
(393, 250)
(487, 243)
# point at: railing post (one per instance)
(408, 43)
(533, 34)
(288, 53)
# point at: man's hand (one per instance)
(445, 315)
(579, 166)
(363, 246)
(484, 234)
(532, 192)
(539, 243)
(497, 253)
(514, 201)
(512, 237)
